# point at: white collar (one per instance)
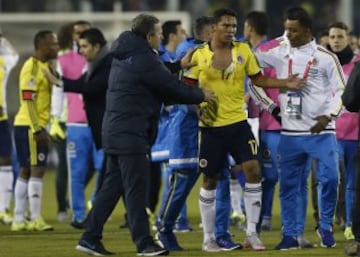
(308, 48)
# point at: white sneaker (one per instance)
(253, 241)
(303, 242)
(211, 246)
(63, 217)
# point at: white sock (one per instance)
(207, 211)
(35, 197)
(20, 199)
(252, 198)
(235, 195)
(6, 184)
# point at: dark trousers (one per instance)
(125, 175)
(153, 186)
(356, 205)
(61, 176)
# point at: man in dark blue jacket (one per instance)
(138, 84)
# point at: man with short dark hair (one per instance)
(31, 137)
(270, 129)
(351, 101)
(138, 84)
(307, 118)
(93, 83)
(173, 34)
(222, 65)
(347, 128)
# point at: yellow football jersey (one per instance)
(35, 95)
(228, 84)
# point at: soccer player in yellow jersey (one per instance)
(31, 138)
(222, 66)
(8, 59)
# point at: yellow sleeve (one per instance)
(2, 85)
(252, 66)
(193, 72)
(28, 93)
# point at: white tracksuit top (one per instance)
(324, 84)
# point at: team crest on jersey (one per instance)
(278, 157)
(313, 71)
(203, 163)
(71, 146)
(31, 82)
(41, 157)
(240, 59)
(266, 154)
(315, 62)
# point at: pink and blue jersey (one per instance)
(347, 126)
(72, 67)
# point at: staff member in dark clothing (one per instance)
(138, 84)
(92, 84)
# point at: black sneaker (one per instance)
(77, 224)
(96, 249)
(153, 249)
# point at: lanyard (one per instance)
(307, 68)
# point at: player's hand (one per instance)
(1, 111)
(41, 138)
(294, 83)
(53, 79)
(56, 132)
(322, 122)
(209, 96)
(186, 60)
(205, 116)
(276, 114)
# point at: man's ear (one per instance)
(98, 47)
(148, 37)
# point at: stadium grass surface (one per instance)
(62, 241)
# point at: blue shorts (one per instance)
(5, 139)
(216, 143)
(29, 153)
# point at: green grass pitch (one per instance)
(62, 241)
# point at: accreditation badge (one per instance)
(294, 106)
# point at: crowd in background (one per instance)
(83, 54)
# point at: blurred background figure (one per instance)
(58, 120)
(353, 42)
(347, 130)
(8, 59)
(323, 38)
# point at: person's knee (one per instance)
(5, 160)
(24, 173)
(330, 181)
(252, 171)
(37, 171)
(210, 181)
